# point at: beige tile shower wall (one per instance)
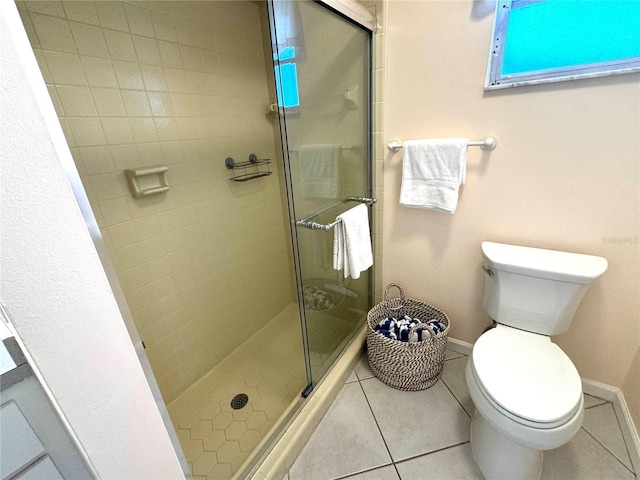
(180, 84)
(378, 8)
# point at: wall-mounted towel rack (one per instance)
(308, 223)
(487, 143)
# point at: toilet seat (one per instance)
(526, 377)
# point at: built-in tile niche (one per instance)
(205, 264)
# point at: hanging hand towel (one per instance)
(352, 242)
(432, 172)
(319, 170)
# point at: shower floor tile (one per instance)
(216, 438)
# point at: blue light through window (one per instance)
(287, 78)
(557, 34)
(548, 40)
(286, 54)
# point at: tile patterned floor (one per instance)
(216, 438)
(373, 432)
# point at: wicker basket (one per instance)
(404, 365)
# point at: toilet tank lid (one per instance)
(542, 263)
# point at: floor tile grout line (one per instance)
(604, 402)
(626, 446)
(396, 463)
(609, 451)
(384, 440)
(460, 355)
(619, 428)
(413, 457)
(372, 469)
(454, 395)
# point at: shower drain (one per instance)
(239, 401)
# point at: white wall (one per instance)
(54, 288)
(563, 176)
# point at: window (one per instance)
(286, 78)
(537, 41)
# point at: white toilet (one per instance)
(527, 393)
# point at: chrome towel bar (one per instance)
(487, 143)
(308, 223)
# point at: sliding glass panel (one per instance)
(322, 61)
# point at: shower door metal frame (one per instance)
(352, 11)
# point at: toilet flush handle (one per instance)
(488, 271)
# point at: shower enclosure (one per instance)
(217, 141)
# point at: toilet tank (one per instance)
(534, 289)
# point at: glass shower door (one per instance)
(322, 65)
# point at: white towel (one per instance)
(432, 172)
(319, 170)
(352, 242)
(288, 24)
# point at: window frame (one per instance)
(495, 80)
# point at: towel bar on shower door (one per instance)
(307, 223)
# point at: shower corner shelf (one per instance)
(253, 168)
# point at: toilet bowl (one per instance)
(527, 392)
(522, 407)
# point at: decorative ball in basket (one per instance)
(414, 364)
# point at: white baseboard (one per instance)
(459, 346)
(628, 428)
(600, 390)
